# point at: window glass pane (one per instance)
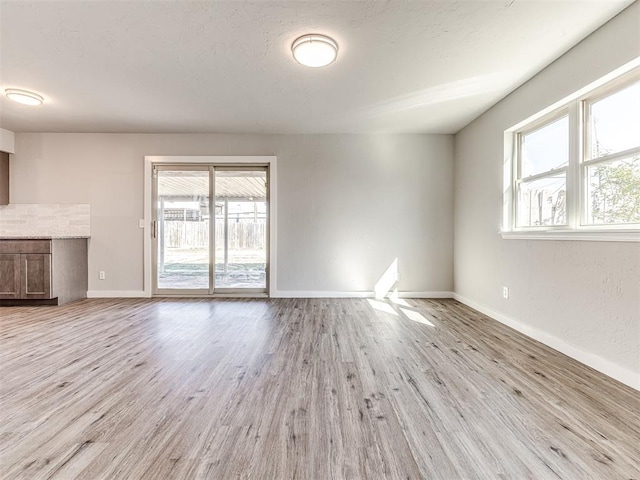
(614, 192)
(614, 122)
(241, 229)
(546, 148)
(183, 229)
(543, 202)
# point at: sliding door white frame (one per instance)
(269, 161)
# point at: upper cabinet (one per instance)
(7, 146)
(4, 178)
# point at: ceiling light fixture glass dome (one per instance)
(314, 50)
(24, 96)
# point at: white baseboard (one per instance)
(116, 294)
(443, 294)
(276, 294)
(624, 375)
(319, 294)
(330, 294)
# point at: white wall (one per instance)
(348, 205)
(581, 297)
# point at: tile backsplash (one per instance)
(44, 220)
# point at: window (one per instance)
(576, 168)
(542, 179)
(611, 166)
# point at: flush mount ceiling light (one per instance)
(314, 50)
(23, 96)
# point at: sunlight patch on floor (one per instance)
(382, 306)
(394, 297)
(416, 316)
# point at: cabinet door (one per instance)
(35, 275)
(10, 275)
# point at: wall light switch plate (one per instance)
(141, 223)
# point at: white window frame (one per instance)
(518, 179)
(577, 203)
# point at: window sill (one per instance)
(575, 235)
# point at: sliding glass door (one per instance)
(203, 247)
(240, 229)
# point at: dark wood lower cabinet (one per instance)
(35, 275)
(10, 275)
(43, 271)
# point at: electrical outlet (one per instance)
(505, 293)
(101, 275)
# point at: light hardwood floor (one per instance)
(299, 389)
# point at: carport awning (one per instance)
(236, 185)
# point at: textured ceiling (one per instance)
(190, 66)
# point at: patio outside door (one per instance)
(203, 247)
